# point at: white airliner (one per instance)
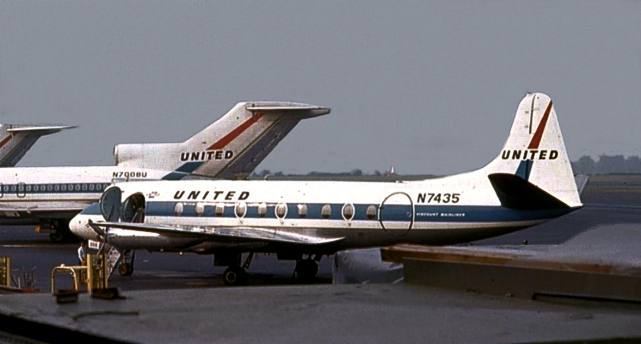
(231, 147)
(530, 182)
(17, 139)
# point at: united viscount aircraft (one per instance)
(17, 139)
(231, 147)
(530, 182)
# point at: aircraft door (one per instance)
(110, 204)
(133, 209)
(396, 214)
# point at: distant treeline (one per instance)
(352, 173)
(607, 164)
(355, 174)
(617, 164)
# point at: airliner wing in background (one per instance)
(17, 139)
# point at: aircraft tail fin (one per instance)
(229, 148)
(17, 139)
(533, 169)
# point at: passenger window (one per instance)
(178, 209)
(281, 210)
(241, 209)
(348, 211)
(371, 212)
(326, 211)
(302, 210)
(200, 209)
(262, 209)
(63, 187)
(220, 209)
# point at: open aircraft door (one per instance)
(396, 214)
(110, 204)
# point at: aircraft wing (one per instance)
(237, 233)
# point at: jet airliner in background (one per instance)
(17, 139)
(231, 147)
(530, 182)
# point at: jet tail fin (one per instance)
(17, 139)
(534, 159)
(266, 126)
(230, 148)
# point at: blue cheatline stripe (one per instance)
(423, 213)
(189, 167)
(524, 169)
(182, 171)
(174, 176)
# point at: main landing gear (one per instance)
(235, 274)
(61, 232)
(306, 269)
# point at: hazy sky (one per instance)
(426, 86)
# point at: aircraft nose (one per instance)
(79, 226)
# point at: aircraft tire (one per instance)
(235, 275)
(57, 237)
(125, 269)
(62, 233)
(306, 269)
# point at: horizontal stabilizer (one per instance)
(236, 233)
(517, 193)
(301, 110)
(40, 129)
(17, 139)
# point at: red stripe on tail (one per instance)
(6, 140)
(536, 139)
(225, 140)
